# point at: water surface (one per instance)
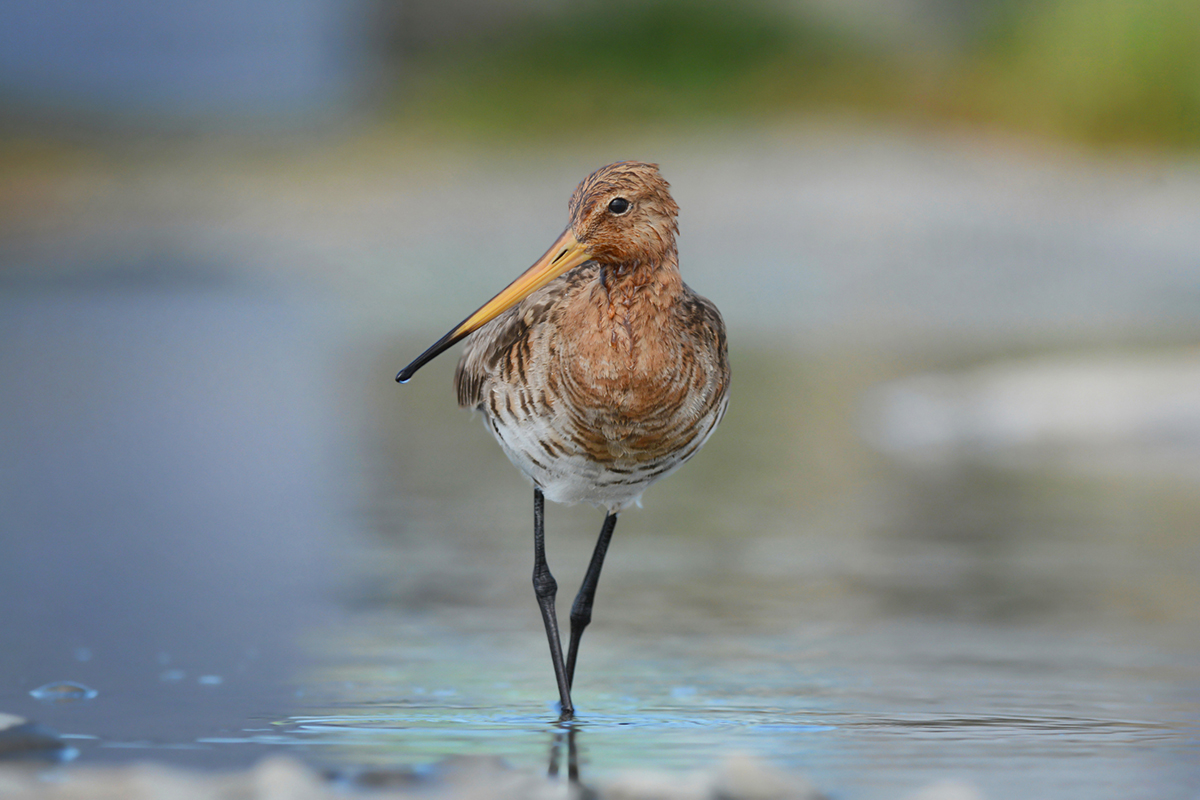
(222, 515)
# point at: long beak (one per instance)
(566, 253)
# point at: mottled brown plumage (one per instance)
(614, 374)
(598, 370)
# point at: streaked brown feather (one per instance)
(617, 363)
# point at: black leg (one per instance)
(545, 587)
(581, 609)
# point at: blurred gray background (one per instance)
(948, 527)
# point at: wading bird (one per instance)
(598, 370)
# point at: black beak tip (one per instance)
(405, 375)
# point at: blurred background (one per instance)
(947, 529)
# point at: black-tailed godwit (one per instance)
(598, 370)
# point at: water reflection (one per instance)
(870, 623)
(167, 531)
(564, 737)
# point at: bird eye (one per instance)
(618, 205)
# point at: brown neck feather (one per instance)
(637, 299)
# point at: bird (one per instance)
(598, 370)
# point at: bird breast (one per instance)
(603, 392)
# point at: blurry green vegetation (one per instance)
(1102, 70)
(604, 65)
(1094, 70)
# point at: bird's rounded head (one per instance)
(624, 215)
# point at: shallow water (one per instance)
(220, 515)
(871, 625)
(240, 554)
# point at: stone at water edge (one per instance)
(21, 739)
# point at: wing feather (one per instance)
(488, 348)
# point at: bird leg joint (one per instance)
(544, 585)
(581, 613)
